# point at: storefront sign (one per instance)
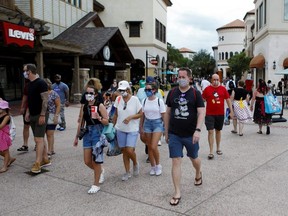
(19, 35)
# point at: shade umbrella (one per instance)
(169, 72)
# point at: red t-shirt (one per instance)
(215, 97)
(248, 84)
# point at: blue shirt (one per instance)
(61, 88)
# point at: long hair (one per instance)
(262, 87)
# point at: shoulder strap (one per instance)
(158, 102)
(171, 94)
(144, 102)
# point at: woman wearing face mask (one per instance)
(152, 124)
(93, 116)
(126, 121)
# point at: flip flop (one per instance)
(11, 161)
(23, 148)
(235, 132)
(175, 201)
(198, 179)
(219, 152)
(210, 156)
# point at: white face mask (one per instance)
(124, 94)
(183, 82)
(215, 83)
(89, 97)
(25, 75)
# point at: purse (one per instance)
(271, 104)
(50, 120)
(109, 131)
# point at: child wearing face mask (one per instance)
(5, 140)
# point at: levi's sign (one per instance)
(19, 35)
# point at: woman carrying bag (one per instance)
(93, 116)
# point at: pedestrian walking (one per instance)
(242, 113)
(215, 95)
(259, 116)
(183, 121)
(93, 117)
(53, 111)
(152, 125)
(126, 120)
(63, 91)
(36, 114)
(5, 140)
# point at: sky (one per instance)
(192, 23)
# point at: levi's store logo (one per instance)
(20, 35)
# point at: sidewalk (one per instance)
(250, 178)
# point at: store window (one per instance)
(286, 10)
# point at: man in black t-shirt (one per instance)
(183, 121)
(36, 114)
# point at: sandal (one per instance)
(219, 152)
(23, 148)
(175, 201)
(210, 156)
(198, 179)
(259, 132)
(233, 131)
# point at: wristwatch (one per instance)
(198, 129)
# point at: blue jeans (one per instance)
(153, 125)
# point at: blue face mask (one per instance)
(149, 93)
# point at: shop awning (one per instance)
(285, 63)
(257, 62)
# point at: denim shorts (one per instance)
(127, 139)
(153, 125)
(176, 144)
(214, 122)
(92, 136)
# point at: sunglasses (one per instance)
(90, 93)
(121, 90)
(147, 89)
(125, 105)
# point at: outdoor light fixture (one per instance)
(274, 65)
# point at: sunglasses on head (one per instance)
(90, 93)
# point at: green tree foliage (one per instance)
(203, 64)
(238, 64)
(174, 56)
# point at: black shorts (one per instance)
(214, 122)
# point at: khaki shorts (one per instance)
(38, 130)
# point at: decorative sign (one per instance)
(20, 35)
(154, 61)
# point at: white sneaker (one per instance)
(126, 176)
(136, 169)
(102, 177)
(94, 189)
(152, 171)
(158, 170)
(159, 143)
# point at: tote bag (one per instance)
(50, 120)
(271, 104)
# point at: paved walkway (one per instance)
(250, 178)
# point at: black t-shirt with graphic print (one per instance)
(183, 118)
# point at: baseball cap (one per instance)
(150, 79)
(4, 104)
(57, 76)
(123, 85)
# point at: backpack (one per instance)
(12, 128)
(231, 85)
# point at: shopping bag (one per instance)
(271, 104)
(226, 119)
(109, 131)
(113, 148)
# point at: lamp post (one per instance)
(153, 61)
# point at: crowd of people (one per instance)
(144, 113)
